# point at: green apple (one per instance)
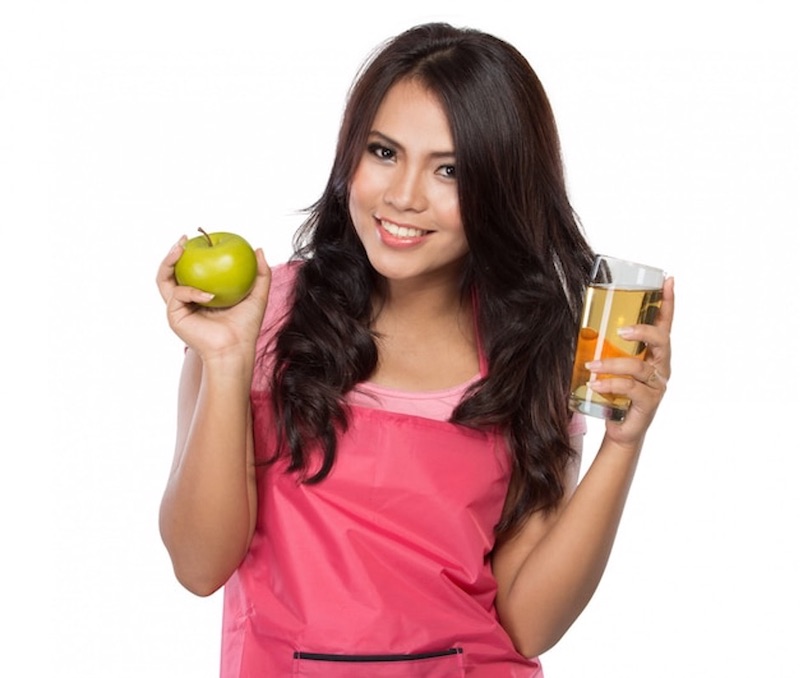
(223, 264)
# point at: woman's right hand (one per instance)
(209, 331)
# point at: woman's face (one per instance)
(403, 195)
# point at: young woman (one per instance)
(374, 453)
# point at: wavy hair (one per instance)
(527, 265)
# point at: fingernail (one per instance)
(205, 296)
(625, 332)
(593, 365)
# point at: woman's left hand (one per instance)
(643, 381)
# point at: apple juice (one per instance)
(605, 310)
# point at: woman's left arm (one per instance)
(549, 569)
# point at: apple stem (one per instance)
(208, 237)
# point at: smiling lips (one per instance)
(399, 236)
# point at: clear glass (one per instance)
(620, 293)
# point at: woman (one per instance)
(374, 452)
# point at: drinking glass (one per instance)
(620, 293)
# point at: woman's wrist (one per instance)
(231, 362)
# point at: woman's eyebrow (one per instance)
(396, 144)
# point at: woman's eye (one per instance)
(448, 171)
(380, 151)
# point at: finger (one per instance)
(625, 367)
(264, 276)
(650, 335)
(634, 389)
(183, 303)
(667, 310)
(165, 277)
(260, 291)
(653, 374)
(182, 294)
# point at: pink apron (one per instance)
(381, 569)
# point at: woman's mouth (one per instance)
(399, 237)
(402, 231)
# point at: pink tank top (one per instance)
(437, 405)
(381, 569)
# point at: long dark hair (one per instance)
(527, 264)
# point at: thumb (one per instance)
(260, 291)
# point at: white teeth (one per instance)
(401, 231)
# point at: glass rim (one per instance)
(625, 262)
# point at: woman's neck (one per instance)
(425, 336)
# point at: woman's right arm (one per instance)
(208, 509)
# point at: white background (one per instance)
(124, 125)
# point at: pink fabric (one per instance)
(431, 404)
(385, 559)
(387, 555)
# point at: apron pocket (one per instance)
(445, 664)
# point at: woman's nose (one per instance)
(406, 190)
